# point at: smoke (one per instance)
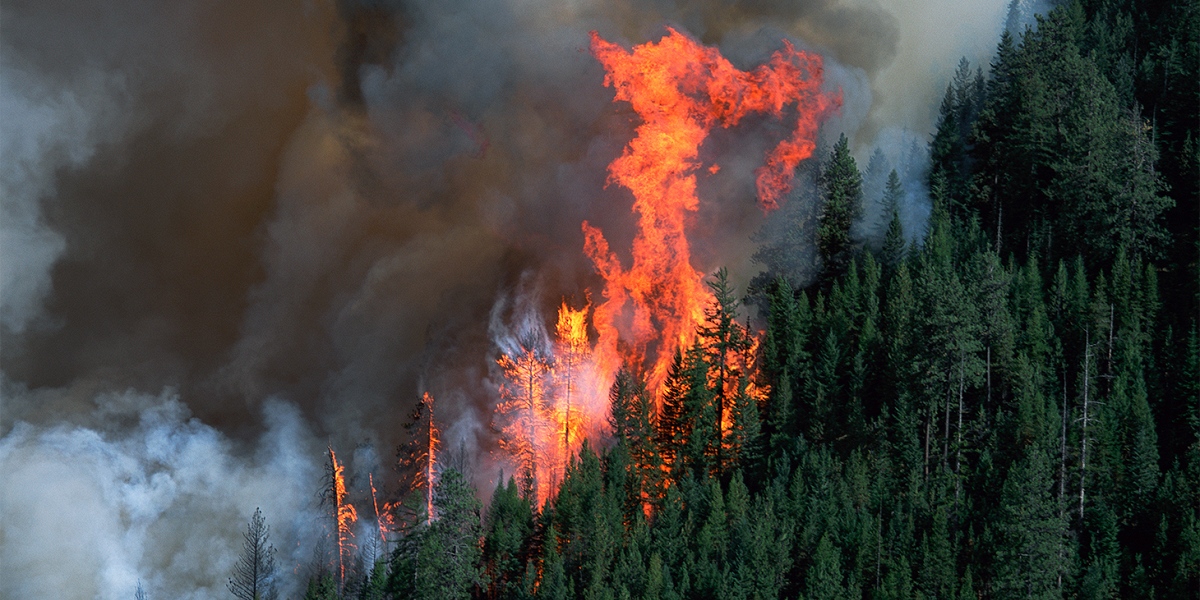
(89, 514)
(323, 202)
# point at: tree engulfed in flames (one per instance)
(417, 464)
(571, 331)
(528, 432)
(682, 90)
(344, 516)
(656, 306)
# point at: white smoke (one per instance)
(88, 514)
(48, 126)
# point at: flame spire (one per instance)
(344, 515)
(682, 90)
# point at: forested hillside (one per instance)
(1004, 405)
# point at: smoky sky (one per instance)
(229, 207)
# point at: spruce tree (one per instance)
(842, 193)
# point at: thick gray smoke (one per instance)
(207, 205)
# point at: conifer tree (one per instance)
(894, 242)
(842, 186)
(254, 573)
(448, 557)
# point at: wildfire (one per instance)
(383, 520)
(557, 392)
(432, 444)
(344, 514)
(682, 90)
(525, 436)
(573, 349)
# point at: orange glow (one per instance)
(682, 90)
(433, 443)
(345, 515)
(384, 521)
(572, 350)
(418, 463)
(529, 422)
(557, 393)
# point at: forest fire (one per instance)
(651, 308)
(682, 90)
(344, 515)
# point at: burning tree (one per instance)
(526, 412)
(417, 461)
(572, 349)
(342, 514)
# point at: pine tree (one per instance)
(509, 529)
(449, 555)
(842, 186)
(254, 573)
(1031, 562)
(725, 345)
(894, 241)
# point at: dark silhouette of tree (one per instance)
(254, 574)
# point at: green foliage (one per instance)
(919, 425)
(842, 186)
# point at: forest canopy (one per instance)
(1003, 405)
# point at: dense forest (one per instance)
(1004, 405)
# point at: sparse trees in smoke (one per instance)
(254, 574)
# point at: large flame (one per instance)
(682, 90)
(528, 432)
(557, 393)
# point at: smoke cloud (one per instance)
(235, 232)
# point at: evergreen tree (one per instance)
(894, 241)
(254, 573)
(1031, 562)
(509, 531)
(448, 556)
(842, 186)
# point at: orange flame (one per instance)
(573, 349)
(344, 513)
(524, 437)
(432, 444)
(383, 520)
(681, 90)
(557, 393)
